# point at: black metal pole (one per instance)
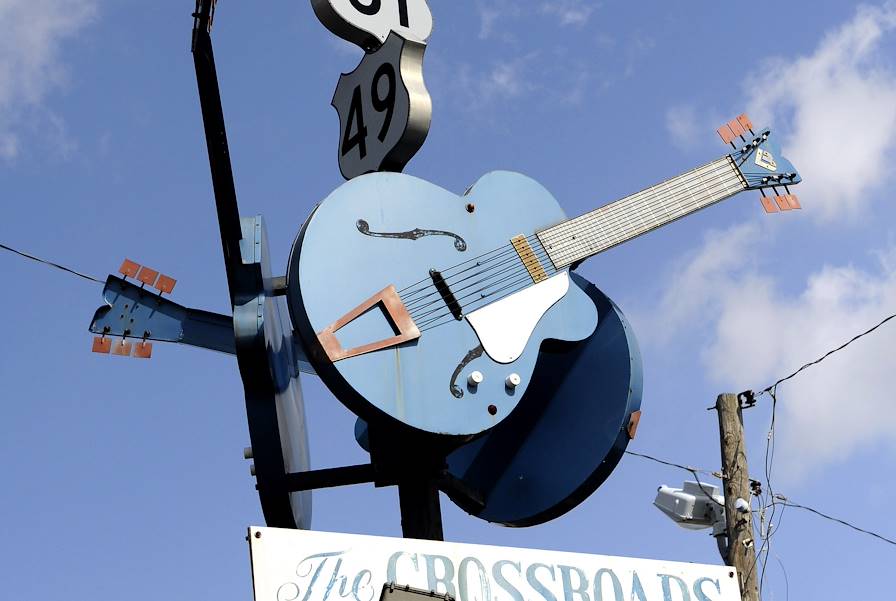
(216, 139)
(421, 514)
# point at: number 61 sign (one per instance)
(368, 23)
(384, 109)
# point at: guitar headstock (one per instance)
(133, 315)
(758, 157)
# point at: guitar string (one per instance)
(513, 286)
(500, 256)
(502, 248)
(575, 251)
(633, 209)
(541, 253)
(538, 249)
(437, 297)
(520, 270)
(696, 174)
(523, 274)
(590, 224)
(628, 209)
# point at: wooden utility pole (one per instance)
(736, 483)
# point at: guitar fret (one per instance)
(620, 233)
(640, 213)
(621, 215)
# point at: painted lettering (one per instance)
(334, 578)
(309, 563)
(362, 583)
(288, 592)
(599, 583)
(667, 588)
(502, 581)
(463, 579)
(440, 584)
(569, 589)
(698, 589)
(637, 588)
(535, 583)
(392, 565)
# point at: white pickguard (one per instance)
(505, 326)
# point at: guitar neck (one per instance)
(632, 216)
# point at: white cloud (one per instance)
(569, 12)
(493, 10)
(759, 333)
(566, 13)
(683, 125)
(841, 100)
(502, 81)
(31, 32)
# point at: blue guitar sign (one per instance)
(429, 309)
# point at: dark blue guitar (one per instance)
(426, 308)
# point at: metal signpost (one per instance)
(478, 362)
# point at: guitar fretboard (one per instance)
(634, 215)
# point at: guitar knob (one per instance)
(512, 381)
(475, 378)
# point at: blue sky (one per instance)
(126, 477)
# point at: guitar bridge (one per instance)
(446, 294)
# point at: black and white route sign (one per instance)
(368, 23)
(384, 109)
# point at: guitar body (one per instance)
(390, 229)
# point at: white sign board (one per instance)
(297, 565)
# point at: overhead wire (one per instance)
(692, 470)
(51, 264)
(768, 389)
(788, 503)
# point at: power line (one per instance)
(692, 470)
(51, 264)
(788, 503)
(828, 354)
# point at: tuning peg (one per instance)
(147, 276)
(745, 122)
(736, 128)
(726, 134)
(165, 284)
(783, 203)
(143, 350)
(102, 345)
(767, 204)
(129, 269)
(122, 348)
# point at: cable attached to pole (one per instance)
(51, 264)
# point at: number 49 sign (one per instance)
(384, 109)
